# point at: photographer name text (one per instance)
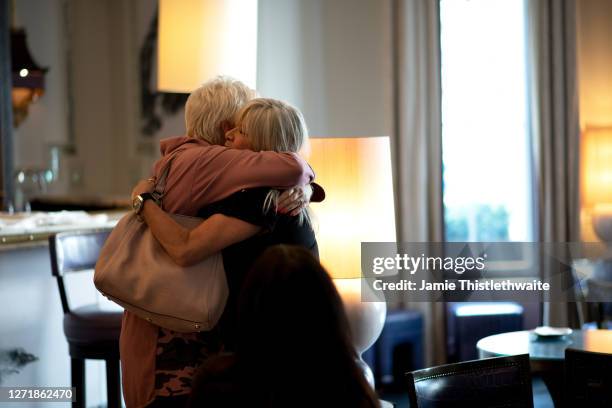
(461, 284)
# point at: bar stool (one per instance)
(92, 333)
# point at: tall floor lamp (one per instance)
(356, 175)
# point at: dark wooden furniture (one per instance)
(599, 305)
(494, 382)
(588, 379)
(91, 333)
(468, 322)
(398, 349)
(546, 355)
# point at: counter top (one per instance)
(23, 230)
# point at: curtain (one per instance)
(6, 113)
(555, 131)
(417, 144)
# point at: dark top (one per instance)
(247, 205)
(177, 357)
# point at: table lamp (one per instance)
(200, 39)
(359, 207)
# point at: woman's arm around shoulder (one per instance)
(188, 247)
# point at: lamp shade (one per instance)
(358, 207)
(200, 39)
(596, 163)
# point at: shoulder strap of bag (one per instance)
(160, 185)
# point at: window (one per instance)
(487, 176)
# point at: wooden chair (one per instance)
(92, 333)
(492, 382)
(600, 307)
(588, 379)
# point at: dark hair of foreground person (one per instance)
(293, 347)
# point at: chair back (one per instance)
(74, 251)
(588, 379)
(492, 382)
(600, 294)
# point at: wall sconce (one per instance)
(596, 178)
(28, 76)
(358, 207)
(200, 39)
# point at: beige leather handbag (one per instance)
(135, 271)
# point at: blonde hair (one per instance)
(273, 125)
(213, 103)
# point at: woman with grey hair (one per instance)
(244, 224)
(157, 363)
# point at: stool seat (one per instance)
(89, 324)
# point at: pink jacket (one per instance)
(200, 174)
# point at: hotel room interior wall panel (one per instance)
(47, 122)
(91, 79)
(358, 78)
(124, 53)
(285, 66)
(332, 64)
(105, 86)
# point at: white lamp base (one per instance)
(366, 319)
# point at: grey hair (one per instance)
(273, 125)
(215, 102)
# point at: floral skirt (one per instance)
(178, 357)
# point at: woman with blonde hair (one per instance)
(157, 364)
(241, 226)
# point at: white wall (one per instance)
(105, 93)
(330, 58)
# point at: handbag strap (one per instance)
(160, 184)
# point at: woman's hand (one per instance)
(293, 200)
(143, 186)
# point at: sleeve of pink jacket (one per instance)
(223, 171)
